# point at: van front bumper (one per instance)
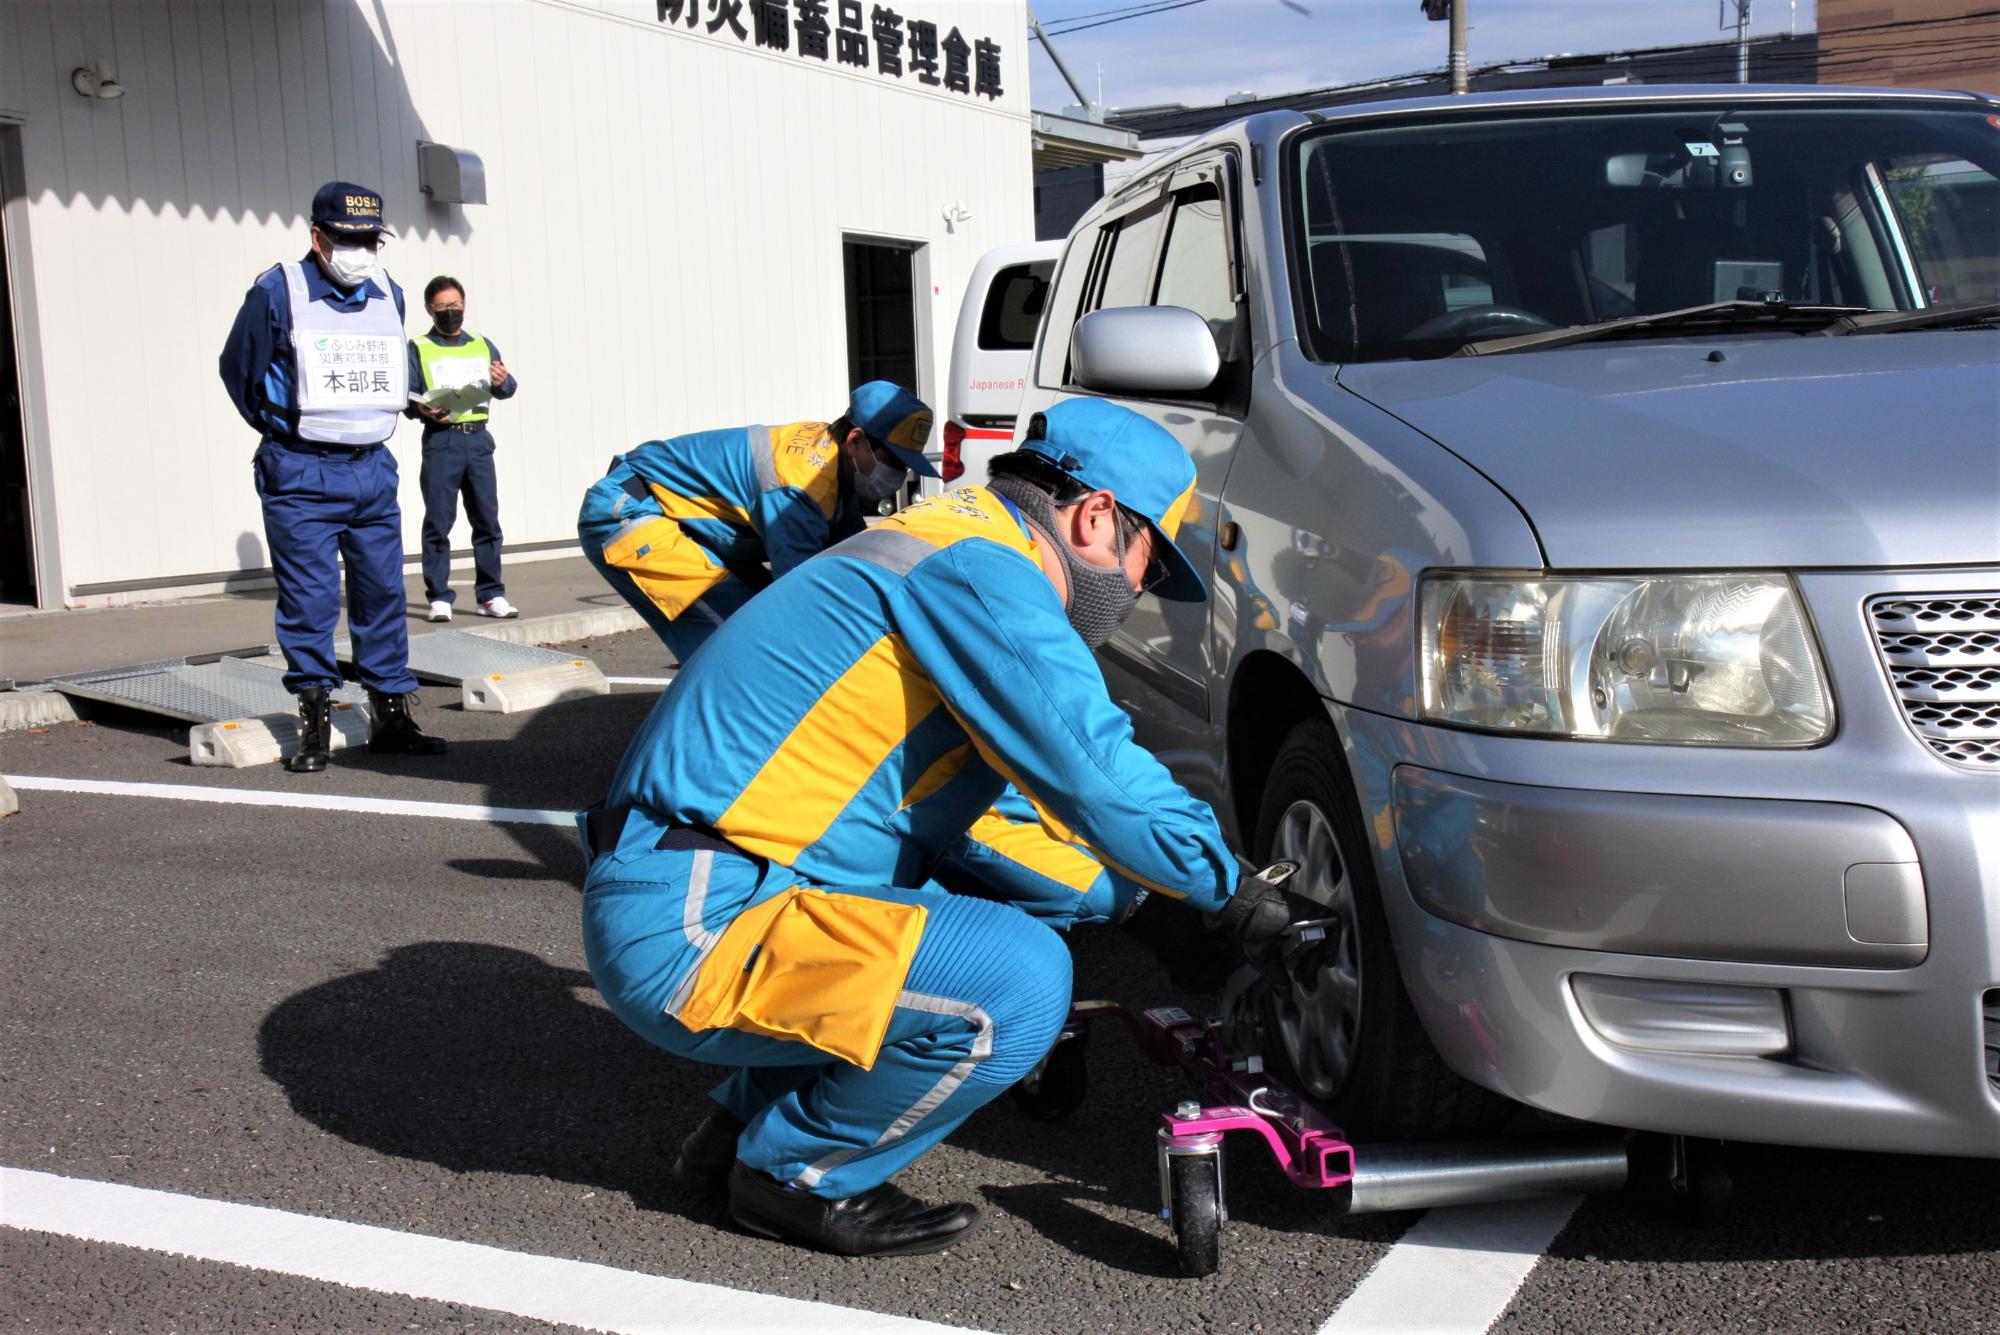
(1700, 957)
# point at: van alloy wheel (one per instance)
(1319, 1023)
(1345, 1034)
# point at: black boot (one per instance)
(315, 729)
(706, 1155)
(393, 730)
(882, 1221)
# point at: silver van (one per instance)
(1600, 495)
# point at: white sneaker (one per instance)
(440, 611)
(499, 607)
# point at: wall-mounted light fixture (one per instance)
(450, 175)
(956, 212)
(96, 81)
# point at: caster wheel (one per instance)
(1195, 1190)
(1055, 1087)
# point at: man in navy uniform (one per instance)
(315, 364)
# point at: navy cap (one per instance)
(342, 206)
(895, 419)
(1108, 447)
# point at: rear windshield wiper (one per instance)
(1935, 317)
(1777, 314)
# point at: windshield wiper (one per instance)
(1935, 317)
(1777, 314)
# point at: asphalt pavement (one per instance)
(386, 1020)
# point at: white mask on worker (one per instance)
(351, 266)
(880, 484)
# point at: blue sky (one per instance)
(1202, 52)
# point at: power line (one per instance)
(1136, 13)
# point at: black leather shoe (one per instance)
(393, 730)
(883, 1221)
(707, 1153)
(315, 727)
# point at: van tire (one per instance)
(1395, 1085)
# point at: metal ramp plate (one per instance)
(228, 688)
(453, 657)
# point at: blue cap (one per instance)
(1108, 447)
(342, 206)
(895, 419)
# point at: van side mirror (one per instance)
(1144, 350)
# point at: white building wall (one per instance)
(660, 251)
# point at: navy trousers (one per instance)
(460, 463)
(322, 511)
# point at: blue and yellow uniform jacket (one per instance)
(744, 494)
(855, 720)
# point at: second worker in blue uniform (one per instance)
(759, 893)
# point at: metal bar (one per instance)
(1035, 25)
(1420, 1177)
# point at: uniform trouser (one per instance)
(318, 507)
(656, 578)
(980, 1001)
(461, 463)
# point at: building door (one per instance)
(881, 312)
(17, 533)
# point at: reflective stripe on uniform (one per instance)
(692, 910)
(934, 1097)
(898, 553)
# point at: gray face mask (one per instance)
(1100, 597)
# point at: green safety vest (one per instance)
(463, 370)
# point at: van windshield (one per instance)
(1413, 240)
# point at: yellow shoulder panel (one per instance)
(805, 455)
(969, 512)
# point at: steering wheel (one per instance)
(1493, 321)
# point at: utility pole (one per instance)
(1454, 10)
(1093, 111)
(1742, 33)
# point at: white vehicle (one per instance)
(989, 360)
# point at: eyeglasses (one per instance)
(1157, 570)
(458, 306)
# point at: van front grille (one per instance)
(1942, 655)
(1993, 1038)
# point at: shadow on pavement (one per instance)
(481, 1058)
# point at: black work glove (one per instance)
(1255, 919)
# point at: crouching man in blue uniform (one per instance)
(315, 364)
(681, 527)
(760, 893)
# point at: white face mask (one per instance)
(351, 266)
(880, 484)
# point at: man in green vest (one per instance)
(454, 376)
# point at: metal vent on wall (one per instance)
(1943, 659)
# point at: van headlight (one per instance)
(1718, 660)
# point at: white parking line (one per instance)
(261, 797)
(640, 681)
(1455, 1271)
(360, 1256)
